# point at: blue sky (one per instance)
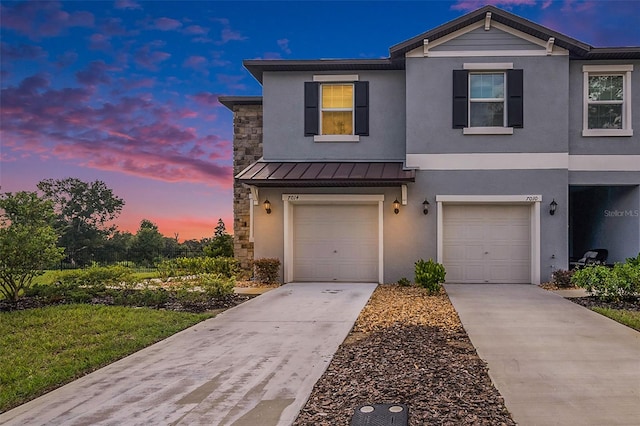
(126, 91)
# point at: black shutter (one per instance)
(515, 100)
(460, 101)
(311, 108)
(361, 108)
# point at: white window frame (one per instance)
(487, 68)
(608, 70)
(340, 79)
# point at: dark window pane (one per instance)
(487, 114)
(605, 116)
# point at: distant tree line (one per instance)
(74, 219)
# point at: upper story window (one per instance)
(607, 100)
(488, 99)
(336, 108)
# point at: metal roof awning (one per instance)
(336, 174)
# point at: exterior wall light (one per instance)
(425, 207)
(552, 207)
(267, 206)
(396, 206)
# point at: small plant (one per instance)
(429, 275)
(562, 278)
(609, 284)
(404, 282)
(267, 270)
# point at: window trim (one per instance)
(613, 70)
(321, 110)
(513, 98)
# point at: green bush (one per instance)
(226, 266)
(267, 270)
(610, 284)
(404, 282)
(562, 278)
(634, 261)
(429, 275)
(97, 276)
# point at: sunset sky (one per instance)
(126, 91)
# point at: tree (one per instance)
(147, 243)
(222, 243)
(84, 211)
(27, 241)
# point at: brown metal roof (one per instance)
(258, 66)
(231, 101)
(265, 173)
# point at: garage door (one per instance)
(487, 243)
(335, 243)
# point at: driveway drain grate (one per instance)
(381, 415)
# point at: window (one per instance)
(488, 99)
(607, 100)
(336, 108)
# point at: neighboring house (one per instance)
(491, 144)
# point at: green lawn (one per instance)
(41, 349)
(628, 318)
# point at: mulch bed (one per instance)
(172, 303)
(410, 348)
(594, 302)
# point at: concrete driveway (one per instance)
(252, 365)
(554, 362)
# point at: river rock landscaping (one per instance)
(410, 348)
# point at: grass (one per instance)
(41, 349)
(628, 318)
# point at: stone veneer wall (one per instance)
(247, 149)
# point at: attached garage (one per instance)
(487, 243)
(335, 242)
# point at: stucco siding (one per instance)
(284, 138)
(589, 145)
(429, 107)
(479, 39)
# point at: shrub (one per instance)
(609, 284)
(267, 270)
(226, 266)
(97, 276)
(404, 282)
(634, 261)
(429, 275)
(562, 278)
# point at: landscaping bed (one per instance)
(407, 347)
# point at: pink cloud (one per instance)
(94, 74)
(206, 99)
(468, 5)
(166, 24)
(195, 62)
(196, 30)
(148, 59)
(127, 4)
(284, 45)
(137, 136)
(42, 19)
(21, 52)
(100, 42)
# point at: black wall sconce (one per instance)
(396, 206)
(267, 206)
(552, 207)
(425, 207)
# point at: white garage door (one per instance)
(335, 243)
(487, 243)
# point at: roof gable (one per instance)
(478, 19)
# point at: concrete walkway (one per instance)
(252, 365)
(554, 362)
